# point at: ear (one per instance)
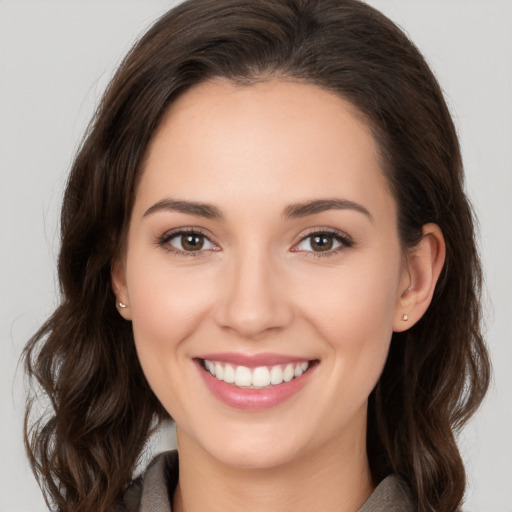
(118, 279)
(422, 269)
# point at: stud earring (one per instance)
(405, 317)
(122, 305)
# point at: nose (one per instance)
(254, 299)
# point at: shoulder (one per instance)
(391, 495)
(153, 490)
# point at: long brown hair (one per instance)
(85, 447)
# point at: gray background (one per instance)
(55, 60)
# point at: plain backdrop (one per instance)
(56, 58)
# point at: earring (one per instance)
(405, 317)
(121, 305)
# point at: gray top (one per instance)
(153, 491)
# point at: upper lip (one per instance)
(253, 360)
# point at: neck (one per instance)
(329, 478)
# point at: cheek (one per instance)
(166, 307)
(355, 302)
(353, 313)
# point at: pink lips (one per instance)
(247, 398)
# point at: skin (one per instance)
(259, 286)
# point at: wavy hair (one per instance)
(84, 449)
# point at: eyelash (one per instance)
(164, 240)
(344, 240)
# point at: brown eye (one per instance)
(319, 242)
(322, 242)
(192, 242)
(187, 242)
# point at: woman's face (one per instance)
(262, 243)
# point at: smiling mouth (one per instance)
(260, 377)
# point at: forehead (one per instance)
(271, 141)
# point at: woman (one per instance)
(264, 238)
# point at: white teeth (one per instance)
(260, 377)
(300, 369)
(242, 376)
(289, 373)
(210, 367)
(229, 374)
(219, 371)
(276, 375)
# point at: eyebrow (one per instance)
(292, 211)
(192, 208)
(321, 205)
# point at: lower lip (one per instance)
(253, 399)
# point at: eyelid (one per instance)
(164, 239)
(345, 241)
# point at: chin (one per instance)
(243, 458)
(263, 450)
